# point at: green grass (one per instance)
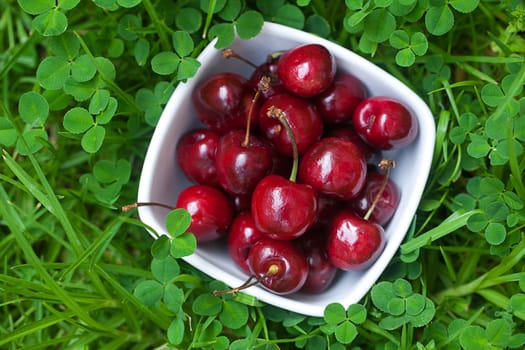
(75, 121)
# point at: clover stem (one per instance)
(274, 112)
(386, 165)
(128, 207)
(262, 86)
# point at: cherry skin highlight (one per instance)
(278, 265)
(211, 211)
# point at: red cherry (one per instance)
(385, 123)
(334, 166)
(348, 132)
(211, 211)
(328, 206)
(305, 121)
(241, 202)
(387, 202)
(278, 265)
(240, 166)
(306, 70)
(283, 209)
(321, 271)
(243, 234)
(354, 243)
(338, 102)
(267, 69)
(195, 155)
(218, 101)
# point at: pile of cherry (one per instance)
(286, 167)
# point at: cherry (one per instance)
(278, 265)
(305, 121)
(338, 102)
(354, 243)
(306, 70)
(385, 123)
(241, 202)
(282, 208)
(243, 234)
(334, 166)
(321, 271)
(219, 99)
(269, 69)
(241, 165)
(348, 132)
(328, 206)
(211, 211)
(377, 186)
(195, 154)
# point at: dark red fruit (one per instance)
(321, 271)
(218, 101)
(348, 133)
(243, 234)
(283, 209)
(195, 155)
(387, 202)
(334, 166)
(328, 206)
(338, 102)
(211, 211)
(240, 166)
(267, 69)
(241, 202)
(304, 120)
(278, 265)
(354, 243)
(306, 70)
(385, 123)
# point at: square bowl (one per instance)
(162, 180)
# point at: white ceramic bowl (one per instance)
(161, 179)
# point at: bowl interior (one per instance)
(161, 179)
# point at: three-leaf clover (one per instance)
(246, 25)
(401, 304)
(50, 19)
(180, 61)
(342, 323)
(107, 179)
(409, 46)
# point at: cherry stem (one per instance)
(386, 165)
(274, 112)
(228, 53)
(272, 270)
(262, 86)
(145, 204)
